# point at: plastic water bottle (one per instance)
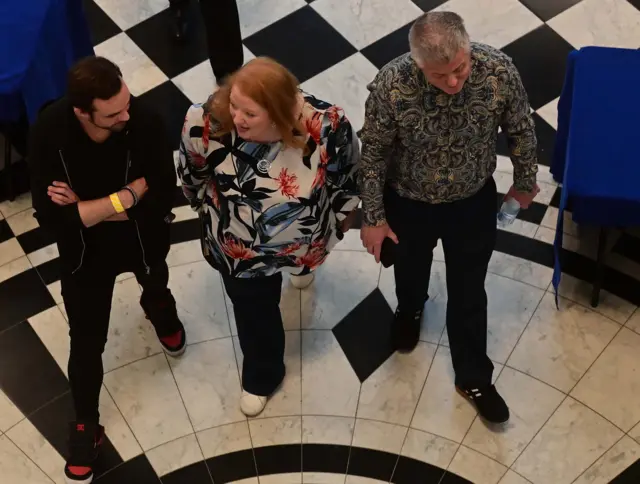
(508, 212)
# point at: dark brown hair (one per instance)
(92, 78)
(272, 86)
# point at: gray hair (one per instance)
(437, 37)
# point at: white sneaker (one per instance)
(302, 282)
(252, 405)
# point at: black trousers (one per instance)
(256, 305)
(468, 232)
(224, 39)
(87, 298)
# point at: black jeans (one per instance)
(468, 232)
(224, 39)
(87, 298)
(256, 305)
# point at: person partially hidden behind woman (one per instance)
(271, 171)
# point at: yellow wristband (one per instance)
(117, 204)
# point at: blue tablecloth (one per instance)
(597, 158)
(39, 41)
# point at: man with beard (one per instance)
(103, 181)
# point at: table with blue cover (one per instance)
(597, 158)
(40, 40)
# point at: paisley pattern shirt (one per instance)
(434, 147)
(267, 208)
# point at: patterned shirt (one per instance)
(435, 147)
(265, 207)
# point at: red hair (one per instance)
(274, 88)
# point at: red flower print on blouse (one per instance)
(333, 113)
(290, 249)
(235, 248)
(206, 129)
(197, 159)
(214, 195)
(314, 126)
(313, 258)
(287, 183)
(321, 174)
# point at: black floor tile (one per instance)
(29, 375)
(154, 37)
(365, 334)
(545, 135)
(19, 179)
(21, 297)
(325, 458)
(525, 247)
(372, 464)
(303, 41)
(632, 474)
(628, 246)
(232, 467)
(135, 471)
(555, 200)
(427, 5)
(388, 48)
(278, 459)
(411, 471)
(5, 231)
(635, 3)
(450, 478)
(547, 9)
(197, 473)
(50, 271)
(541, 57)
(185, 231)
(100, 24)
(172, 105)
(179, 199)
(35, 239)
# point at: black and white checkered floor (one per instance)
(349, 411)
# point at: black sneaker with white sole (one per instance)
(85, 440)
(490, 405)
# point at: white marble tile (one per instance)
(291, 478)
(610, 305)
(559, 346)
(55, 289)
(549, 112)
(494, 22)
(146, 393)
(345, 84)
(43, 255)
(607, 23)
(9, 413)
(572, 440)
(184, 213)
(322, 478)
(511, 305)
(392, 392)
(550, 220)
(10, 250)
(512, 478)
(127, 14)
(16, 468)
(13, 268)
(131, 336)
(476, 467)
(612, 463)
(362, 22)
(63, 310)
(199, 295)
(21, 203)
(23, 222)
(371, 434)
(225, 439)
(634, 321)
(569, 242)
(530, 402)
(363, 480)
(635, 433)
(119, 432)
(175, 455)
(38, 449)
(138, 71)
(520, 270)
(611, 387)
(351, 242)
(185, 253)
(257, 14)
(207, 377)
(504, 164)
(326, 371)
(287, 400)
(53, 330)
(441, 410)
(276, 431)
(429, 448)
(341, 283)
(435, 310)
(327, 430)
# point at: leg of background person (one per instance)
(179, 13)
(224, 38)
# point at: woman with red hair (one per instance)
(271, 171)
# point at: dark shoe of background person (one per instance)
(405, 330)
(164, 312)
(85, 440)
(180, 23)
(490, 405)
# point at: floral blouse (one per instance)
(265, 207)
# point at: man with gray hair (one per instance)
(428, 156)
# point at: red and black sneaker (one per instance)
(162, 313)
(175, 344)
(85, 440)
